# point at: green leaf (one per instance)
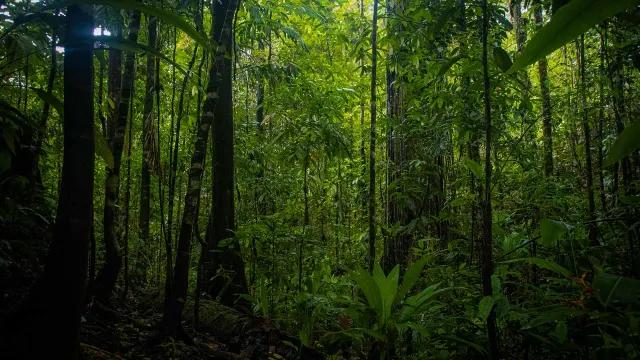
(166, 16)
(569, 22)
(627, 142)
(448, 64)
(369, 288)
(616, 289)
(543, 263)
(103, 149)
(485, 306)
(551, 231)
(126, 45)
(419, 301)
(502, 58)
(474, 167)
(561, 332)
(388, 287)
(52, 100)
(410, 277)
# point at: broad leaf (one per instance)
(626, 143)
(166, 16)
(485, 306)
(103, 149)
(502, 58)
(551, 231)
(474, 167)
(369, 288)
(51, 99)
(616, 289)
(410, 277)
(543, 263)
(569, 22)
(388, 287)
(126, 45)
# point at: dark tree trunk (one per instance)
(177, 295)
(601, 118)
(108, 275)
(223, 264)
(372, 141)
(487, 217)
(148, 139)
(51, 316)
(593, 235)
(547, 127)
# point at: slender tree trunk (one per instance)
(148, 139)
(305, 193)
(593, 235)
(487, 217)
(52, 313)
(616, 75)
(372, 141)
(108, 275)
(178, 293)
(547, 127)
(601, 118)
(125, 218)
(46, 110)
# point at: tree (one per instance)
(56, 301)
(148, 138)
(487, 213)
(108, 275)
(372, 140)
(547, 127)
(222, 260)
(176, 298)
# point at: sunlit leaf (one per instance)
(627, 142)
(569, 22)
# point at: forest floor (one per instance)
(130, 331)
(130, 327)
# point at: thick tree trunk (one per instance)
(50, 320)
(223, 264)
(177, 295)
(106, 280)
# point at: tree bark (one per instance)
(372, 140)
(177, 295)
(50, 320)
(108, 275)
(223, 264)
(586, 128)
(147, 134)
(547, 127)
(487, 217)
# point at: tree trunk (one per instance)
(148, 139)
(487, 217)
(593, 235)
(177, 295)
(372, 140)
(223, 264)
(50, 319)
(547, 127)
(108, 275)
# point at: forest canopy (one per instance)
(311, 179)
